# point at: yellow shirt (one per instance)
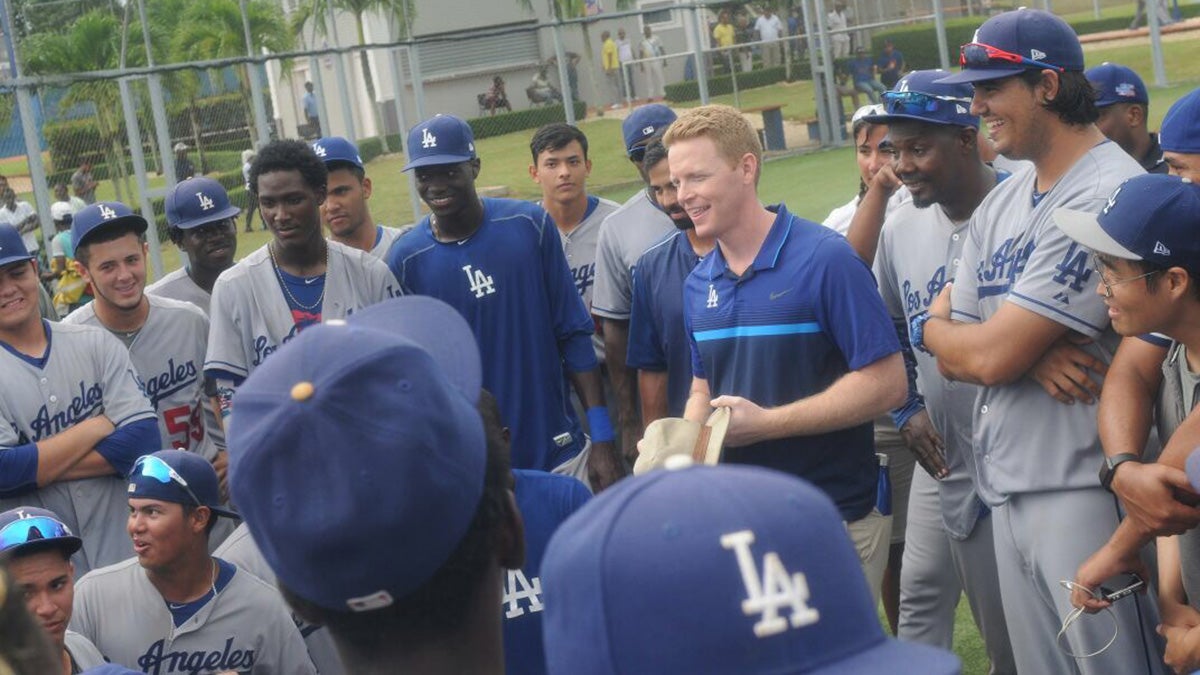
(608, 55)
(723, 34)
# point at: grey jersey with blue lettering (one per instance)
(579, 245)
(250, 318)
(245, 628)
(178, 285)
(168, 353)
(1025, 440)
(624, 236)
(86, 372)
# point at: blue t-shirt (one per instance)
(890, 63)
(511, 282)
(545, 501)
(304, 297)
(862, 69)
(657, 338)
(805, 313)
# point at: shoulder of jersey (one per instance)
(101, 574)
(241, 268)
(608, 204)
(80, 316)
(659, 247)
(173, 306)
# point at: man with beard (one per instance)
(658, 342)
(948, 541)
(298, 279)
(201, 222)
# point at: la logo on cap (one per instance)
(319, 149)
(774, 590)
(428, 140)
(1112, 201)
(206, 203)
(107, 213)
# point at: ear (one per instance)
(533, 172)
(1178, 282)
(1135, 116)
(1047, 87)
(475, 167)
(79, 267)
(200, 517)
(366, 187)
(510, 539)
(968, 138)
(321, 193)
(749, 168)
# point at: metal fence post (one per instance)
(698, 53)
(260, 109)
(564, 81)
(134, 134)
(339, 68)
(1156, 50)
(823, 126)
(939, 23)
(402, 121)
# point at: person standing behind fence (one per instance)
(652, 49)
(311, 110)
(836, 21)
(769, 29)
(83, 184)
(862, 71)
(625, 55)
(612, 67)
(891, 65)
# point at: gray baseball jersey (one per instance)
(839, 219)
(245, 627)
(917, 249)
(179, 286)
(1024, 439)
(624, 237)
(239, 548)
(250, 317)
(580, 248)
(83, 653)
(86, 372)
(383, 240)
(168, 354)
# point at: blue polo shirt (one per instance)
(657, 338)
(510, 281)
(805, 313)
(545, 501)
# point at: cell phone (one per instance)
(1115, 588)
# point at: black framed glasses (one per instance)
(1108, 285)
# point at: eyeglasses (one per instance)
(916, 103)
(36, 528)
(153, 467)
(978, 55)
(1108, 285)
(637, 154)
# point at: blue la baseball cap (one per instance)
(357, 455)
(1115, 83)
(337, 149)
(12, 246)
(1180, 130)
(744, 570)
(644, 122)
(29, 529)
(921, 96)
(1151, 217)
(103, 215)
(179, 477)
(198, 201)
(441, 139)
(1020, 40)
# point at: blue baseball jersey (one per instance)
(805, 313)
(511, 282)
(657, 338)
(545, 501)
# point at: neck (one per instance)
(66, 660)
(28, 339)
(363, 237)
(1141, 146)
(977, 182)
(459, 226)
(188, 580)
(566, 215)
(742, 241)
(1063, 146)
(204, 277)
(1187, 331)
(120, 319)
(302, 261)
(701, 246)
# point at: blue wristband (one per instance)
(600, 425)
(916, 331)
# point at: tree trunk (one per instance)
(369, 81)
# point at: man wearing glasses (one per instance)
(1021, 287)
(206, 234)
(173, 607)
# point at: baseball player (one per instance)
(203, 224)
(501, 264)
(624, 237)
(1124, 104)
(1021, 285)
(404, 555)
(346, 211)
(174, 608)
(38, 547)
(296, 280)
(658, 343)
(935, 140)
(72, 413)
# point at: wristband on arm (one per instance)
(600, 425)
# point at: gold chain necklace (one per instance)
(283, 283)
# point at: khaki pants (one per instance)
(872, 537)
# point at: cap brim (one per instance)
(971, 75)
(228, 212)
(15, 259)
(431, 160)
(222, 511)
(68, 545)
(133, 218)
(718, 422)
(888, 119)
(1084, 227)
(895, 658)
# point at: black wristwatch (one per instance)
(1109, 468)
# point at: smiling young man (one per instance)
(346, 211)
(72, 414)
(296, 280)
(786, 327)
(173, 608)
(37, 548)
(202, 223)
(1022, 286)
(500, 263)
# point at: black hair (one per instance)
(1075, 103)
(556, 136)
(104, 234)
(438, 606)
(289, 155)
(339, 164)
(655, 153)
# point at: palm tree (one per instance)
(316, 11)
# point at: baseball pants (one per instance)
(938, 568)
(871, 535)
(1041, 538)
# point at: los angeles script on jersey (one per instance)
(997, 273)
(89, 400)
(914, 301)
(155, 661)
(263, 347)
(176, 377)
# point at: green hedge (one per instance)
(370, 148)
(689, 90)
(919, 43)
(520, 120)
